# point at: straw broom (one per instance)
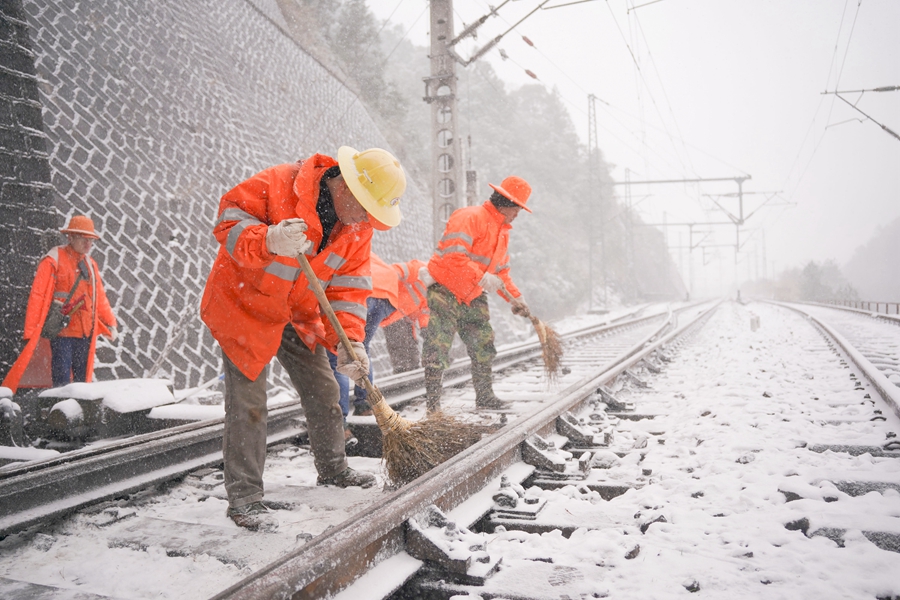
(409, 448)
(551, 342)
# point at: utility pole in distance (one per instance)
(440, 93)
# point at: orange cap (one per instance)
(515, 189)
(81, 225)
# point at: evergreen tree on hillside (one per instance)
(527, 132)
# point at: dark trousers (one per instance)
(69, 359)
(402, 345)
(244, 441)
(377, 309)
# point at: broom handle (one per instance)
(316, 287)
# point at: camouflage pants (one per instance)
(449, 316)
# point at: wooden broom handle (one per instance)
(508, 297)
(316, 288)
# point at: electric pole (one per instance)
(440, 93)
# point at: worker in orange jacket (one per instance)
(411, 280)
(70, 278)
(398, 294)
(471, 260)
(258, 305)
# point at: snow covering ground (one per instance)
(120, 395)
(735, 409)
(738, 405)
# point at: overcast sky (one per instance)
(720, 88)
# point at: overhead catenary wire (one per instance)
(810, 129)
(647, 85)
(577, 107)
(604, 104)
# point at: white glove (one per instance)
(425, 277)
(287, 238)
(356, 370)
(490, 282)
(113, 333)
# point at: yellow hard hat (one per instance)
(376, 180)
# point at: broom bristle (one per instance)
(425, 445)
(412, 448)
(551, 348)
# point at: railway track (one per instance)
(37, 491)
(618, 449)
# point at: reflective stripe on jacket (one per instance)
(56, 274)
(475, 241)
(251, 295)
(399, 284)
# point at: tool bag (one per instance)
(58, 316)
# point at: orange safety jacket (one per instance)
(399, 284)
(251, 294)
(56, 274)
(475, 242)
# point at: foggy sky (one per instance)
(721, 88)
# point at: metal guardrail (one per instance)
(879, 315)
(377, 533)
(867, 305)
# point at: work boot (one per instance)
(349, 439)
(362, 409)
(347, 478)
(482, 380)
(255, 516)
(433, 389)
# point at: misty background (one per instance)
(711, 89)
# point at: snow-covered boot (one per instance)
(433, 389)
(482, 380)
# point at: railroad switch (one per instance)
(612, 403)
(434, 538)
(584, 434)
(512, 502)
(545, 455)
(636, 379)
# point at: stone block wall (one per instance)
(152, 110)
(27, 212)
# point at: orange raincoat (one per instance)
(56, 273)
(475, 242)
(399, 284)
(252, 294)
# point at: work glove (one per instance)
(356, 370)
(287, 238)
(520, 308)
(491, 283)
(425, 277)
(113, 333)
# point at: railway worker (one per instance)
(471, 260)
(398, 294)
(258, 305)
(67, 310)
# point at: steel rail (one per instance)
(883, 385)
(399, 389)
(332, 561)
(39, 494)
(42, 490)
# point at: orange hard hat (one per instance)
(515, 189)
(81, 225)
